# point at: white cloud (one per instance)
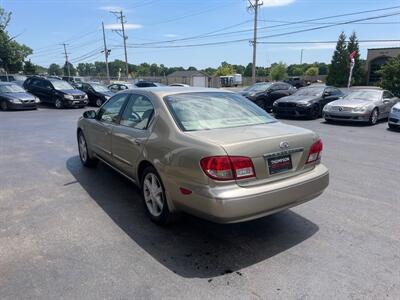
(111, 8)
(127, 26)
(270, 3)
(170, 35)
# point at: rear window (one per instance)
(205, 111)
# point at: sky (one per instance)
(44, 25)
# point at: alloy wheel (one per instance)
(153, 194)
(3, 105)
(83, 153)
(374, 116)
(58, 103)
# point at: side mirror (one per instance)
(89, 114)
(386, 101)
(326, 94)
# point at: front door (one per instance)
(131, 134)
(101, 128)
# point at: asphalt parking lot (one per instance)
(67, 232)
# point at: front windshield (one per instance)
(61, 85)
(100, 88)
(205, 111)
(309, 92)
(364, 95)
(12, 88)
(258, 87)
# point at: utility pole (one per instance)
(66, 58)
(255, 6)
(301, 56)
(121, 32)
(106, 52)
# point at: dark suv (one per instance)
(57, 92)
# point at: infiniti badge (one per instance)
(284, 145)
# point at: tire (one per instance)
(315, 112)
(374, 117)
(3, 105)
(84, 153)
(58, 103)
(155, 202)
(99, 102)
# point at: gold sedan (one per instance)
(207, 152)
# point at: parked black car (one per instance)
(97, 93)
(264, 94)
(12, 96)
(75, 81)
(121, 86)
(307, 101)
(58, 92)
(144, 83)
(296, 82)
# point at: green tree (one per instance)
(54, 69)
(278, 71)
(224, 69)
(358, 71)
(390, 75)
(210, 71)
(338, 71)
(5, 18)
(68, 69)
(248, 70)
(312, 71)
(29, 68)
(192, 68)
(12, 54)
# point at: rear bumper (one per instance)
(347, 116)
(231, 204)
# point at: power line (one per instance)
(265, 36)
(323, 42)
(275, 26)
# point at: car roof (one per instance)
(162, 91)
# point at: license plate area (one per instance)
(279, 164)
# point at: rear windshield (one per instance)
(310, 91)
(210, 110)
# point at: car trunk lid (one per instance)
(270, 147)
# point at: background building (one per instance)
(376, 58)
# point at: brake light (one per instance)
(228, 167)
(315, 151)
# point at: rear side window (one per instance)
(205, 111)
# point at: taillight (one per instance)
(315, 151)
(228, 167)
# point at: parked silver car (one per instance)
(362, 105)
(208, 152)
(394, 117)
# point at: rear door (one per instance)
(132, 132)
(100, 129)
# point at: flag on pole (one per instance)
(352, 64)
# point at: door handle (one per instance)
(138, 142)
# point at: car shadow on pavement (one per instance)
(192, 248)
